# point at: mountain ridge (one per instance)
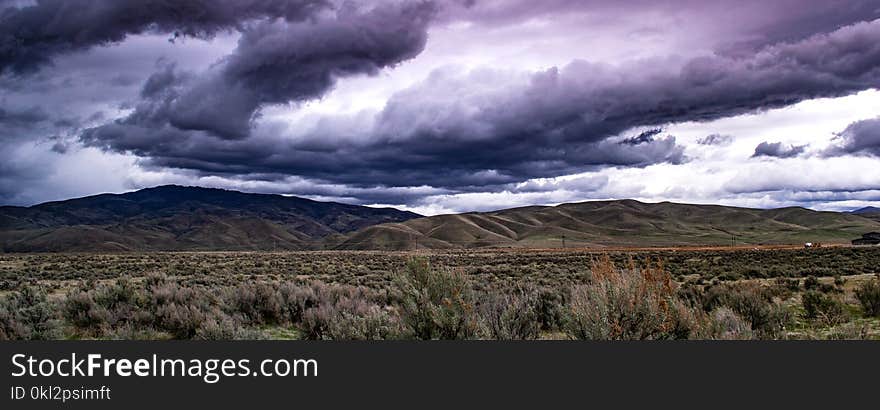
(870, 212)
(611, 223)
(173, 217)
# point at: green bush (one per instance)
(824, 308)
(789, 284)
(868, 294)
(435, 303)
(551, 308)
(811, 283)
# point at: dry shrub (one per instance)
(28, 315)
(130, 331)
(512, 316)
(124, 309)
(349, 319)
(297, 299)
(258, 303)
(786, 287)
(629, 304)
(224, 327)
(753, 303)
(80, 309)
(337, 312)
(98, 309)
(850, 331)
(182, 321)
(727, 325)
(180, 310)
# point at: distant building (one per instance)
(871, 238)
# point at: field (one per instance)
(703, 293)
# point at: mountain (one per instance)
(190, 218)
(871, 212)
(611, 223)
(183, 218)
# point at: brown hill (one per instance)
(611, 223)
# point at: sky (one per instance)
(440, 106)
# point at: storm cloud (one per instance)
(18, 117)
(460, 129)
(426, 103)
(31, 36)
(859, 138)
(716, 139)
(778, 150)
(276, 63)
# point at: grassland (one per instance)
(721, 292)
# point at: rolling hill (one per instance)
(610, 223)
(182, 218)
(870, 212)
(190, 218)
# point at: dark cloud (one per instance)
(22, 117)
(277, 63)
(743, 27)
(60, 147)
(778, 150)
(124, 80)
(455, 131)
(792, 20)
(716, 139)
(445, 133)
(33, 35)
(645, 137)
(16, 173)
(860, 138)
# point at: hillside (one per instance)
(182, 218)
(611, 223)
(870, 212)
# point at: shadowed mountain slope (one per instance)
(871, 212)
(182, 218)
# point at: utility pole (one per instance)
(563, 241)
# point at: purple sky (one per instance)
(445, 106)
